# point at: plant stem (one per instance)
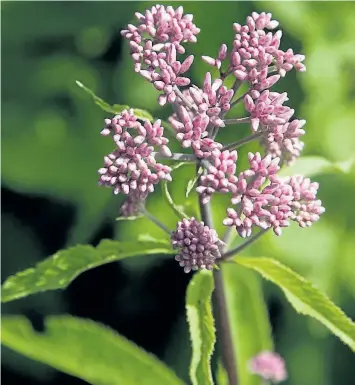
(205, 208)
(154, 219)
(241, 247)
(237, 121)
(234, 145)
(223, 329)
(176, 156)
(184, 99)
(222, 321)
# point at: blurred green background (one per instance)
(51, 150)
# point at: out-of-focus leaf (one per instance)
(201, 325)
(221, 374)
(248, 318)
(304, 297)
(87, 350)
(307, 166)
(57, 271)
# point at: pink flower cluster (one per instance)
(131, 168)
(154, 44)
(271, 118)
(220, 175)
(270, 366)
(256, 53)
(199, 246)
(266, 201)
(259, 197)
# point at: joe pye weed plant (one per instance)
(260, 199)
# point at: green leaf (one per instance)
(304, 297)
(248, 318)
(87, 350)
(169, 199)
(201, 325)
(176, 166)
(313, 165)
(57, 271)
(191, 183)
(100, 102)
(116, 108)
(132, 218)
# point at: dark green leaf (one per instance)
(57, 271)
(87, 350)
(304, 297)
(248, 318)
(201, 325)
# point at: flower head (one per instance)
(199, 246)
(270, 366)
(220, 174)
(266, 201)
(131, 168)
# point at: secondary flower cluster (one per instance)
(131, 168)
(270, 366)
(199, 245)
(255, 62)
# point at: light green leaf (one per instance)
(176, 166)
(87, 350)
(116, 108)
(304, 297)
(169, 199)
(192, 182)
(201, 325)
(100, 102)
(309, 166)
(57, 271)
(132, 218)
(248, 318)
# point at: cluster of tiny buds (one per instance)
(131, 168)
(199, 246)
(269, 366)
(258, 197)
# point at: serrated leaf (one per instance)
(304, 297)
(57, 271)
(201, 326)
(192, 182)
(248, 318)
(87, 350)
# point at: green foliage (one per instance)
(57, 271)
(192, 182)
(201, 324)
(87, 350)
(314, 165)
(179, 213)
(304, 297)
(116, 108)
(248, 318)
